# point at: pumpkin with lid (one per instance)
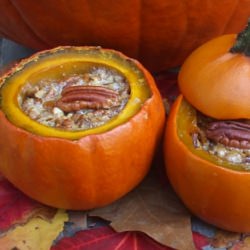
(207, 141)
(78, 125)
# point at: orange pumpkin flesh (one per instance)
(214, 80)
(84, 169)
(160, 33)
(217, 194)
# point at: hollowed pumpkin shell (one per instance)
(216, 192)
(83, 169)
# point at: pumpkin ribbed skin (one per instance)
(90, 171)
(158, 33)
(215, 193)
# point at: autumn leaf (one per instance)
(200, 241)
(244, 244)
(106, 238)
(154, 209)
(37, 233)
(17, 208)
(77, 221)
(167, 84)
(224, 239)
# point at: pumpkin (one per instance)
(86, 168)
(159, 33)
(206, 143)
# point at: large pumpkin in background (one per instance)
(160, 33)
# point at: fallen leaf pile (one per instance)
(154, 209)
(107, 238)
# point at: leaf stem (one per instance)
(242, 44)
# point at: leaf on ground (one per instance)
(77, 221)
(203, 228)
(224, 239)
(17, 208)
(106, 238)
(200, 241)
(242, 245)
(167, 84)
(36, 234)
(154, 209)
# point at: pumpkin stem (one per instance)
(242, 44)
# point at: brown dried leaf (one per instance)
(244, 244)
(78, 219)
(154, 209)
(224, 239)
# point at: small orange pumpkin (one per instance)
(214, 82)
(159, 33)
(79, 169)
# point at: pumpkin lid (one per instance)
(215, 77)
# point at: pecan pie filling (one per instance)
(78, 101)
(227, 139)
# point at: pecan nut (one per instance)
(74, 98)
(229, 133)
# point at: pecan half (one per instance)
(74, 98)
(229, 133)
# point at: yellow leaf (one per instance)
(36, 234)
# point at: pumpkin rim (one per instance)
(139, 80)
(200, 154)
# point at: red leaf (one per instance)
(167, 84)
(200, 241)
(106, 238)
(15, 207)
